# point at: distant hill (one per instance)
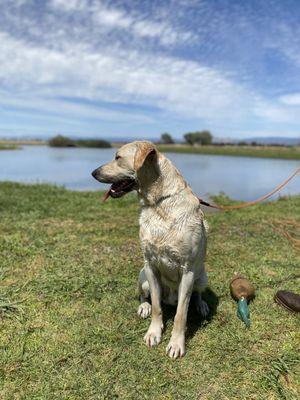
(268, 141)
(278, 140)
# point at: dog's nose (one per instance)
(94, 173)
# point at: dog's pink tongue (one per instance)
(106, 196)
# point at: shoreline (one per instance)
(273, 152)
(23, 142)
(9, 147)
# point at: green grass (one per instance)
(9, 147)
(239, 151)
(68, 323)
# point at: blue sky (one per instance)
(138, 68)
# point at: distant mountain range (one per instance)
(268, 141)
(279, 140)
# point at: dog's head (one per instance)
(133, 162)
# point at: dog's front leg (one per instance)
(176, 346)
(153, 335)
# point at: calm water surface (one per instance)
(241, 178)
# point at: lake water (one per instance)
(241, 178)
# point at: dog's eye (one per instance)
(117, 157)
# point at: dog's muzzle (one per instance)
(117, 189)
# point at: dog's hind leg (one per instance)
(144, 310)
(199, 287)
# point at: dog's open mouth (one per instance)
(120, 188)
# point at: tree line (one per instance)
(200, 138)
(64, 141)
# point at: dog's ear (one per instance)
(145, 150)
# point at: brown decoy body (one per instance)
(242, 291)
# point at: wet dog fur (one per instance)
(172, 235)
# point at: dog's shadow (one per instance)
(194, 320)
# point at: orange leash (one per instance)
(251, 203)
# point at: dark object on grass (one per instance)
(290, 301)
(242, 291)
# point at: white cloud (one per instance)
(111, 18)
(276, 113)
(292, 99)
(114, 52)
(72, 110)
(165, 32)
(285, 39)
(69, 5)
(139, 25)
(185, 87)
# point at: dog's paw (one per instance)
(144, 310)
(202, 307)
(153, 336)
(176, 347)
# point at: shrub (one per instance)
(93, 143)
(202, 138)
(61, 141)
(166, 138)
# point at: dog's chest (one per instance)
(159, 227)
(161, 248)
(166, 261)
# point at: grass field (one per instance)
(8, 146)
(239, 151)
(19, 142)
(68, 323)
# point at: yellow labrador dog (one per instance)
(172, 234)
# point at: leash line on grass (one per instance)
(251, 203)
